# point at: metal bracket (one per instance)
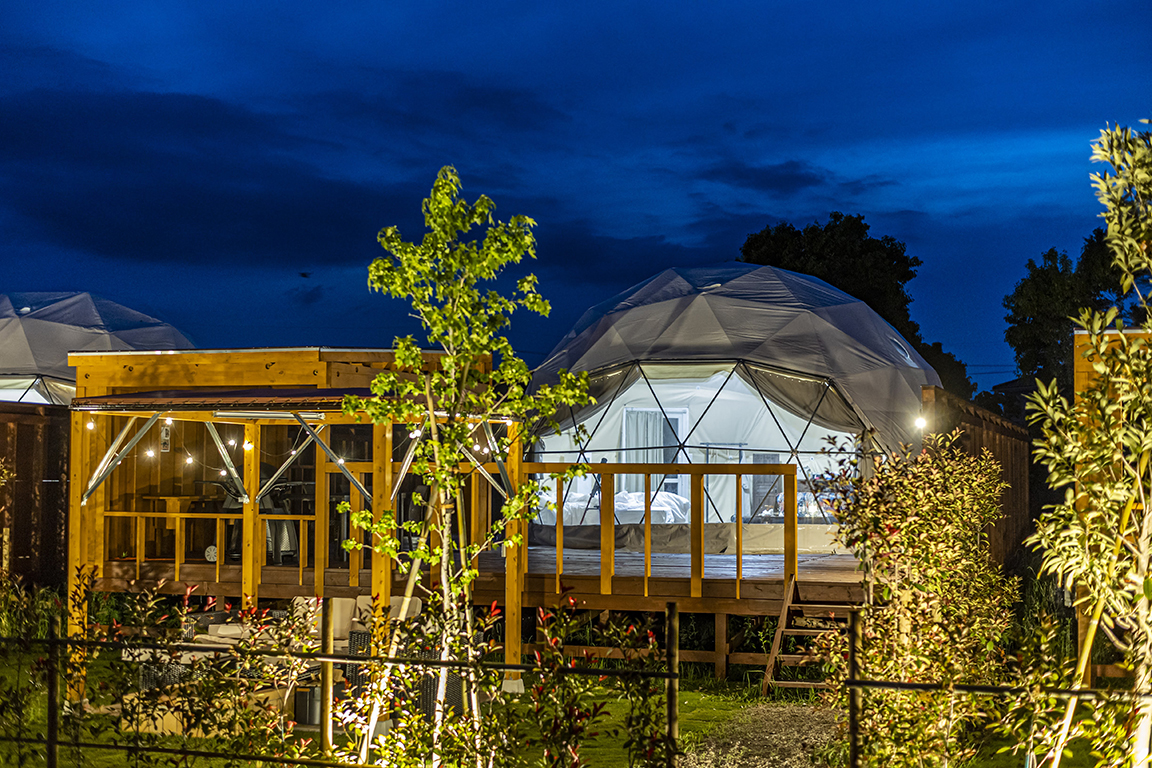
(333, 457)
(232, 473)
(109, 463)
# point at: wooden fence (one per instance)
(1007, 442)
(34, 505)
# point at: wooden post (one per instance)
(791, 566)
(739, 533)
(254, 548)
(514, 565)
(78, 470)
(321, 540)
(607, 532)
(326, 645)
(559, 534)
(356, 556)
(647, 531)
(696, 533)
(721, 647)
(381, 501)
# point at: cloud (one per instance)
(180, 178)
(786, 178)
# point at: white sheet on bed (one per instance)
(629, 507)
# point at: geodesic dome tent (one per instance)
(38, 330)
(728, 364)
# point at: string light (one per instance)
(188, 460)
(91, 425)
(232, 443)
(293, 451)
(149, 453)
(921, 422)
(168, 421)
(340, 461)
(247, 445)
(415, 433)
(223, 473)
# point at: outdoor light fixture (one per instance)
(921, 422)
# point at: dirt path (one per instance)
(766, 736)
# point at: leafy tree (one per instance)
(476, 379)
(876, 271)
(1040, 307)
(935, 605)
(1098, 449)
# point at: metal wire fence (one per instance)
(47, 669)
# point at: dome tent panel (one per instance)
(38, 330)
(735, 364)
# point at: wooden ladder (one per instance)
(800, 619)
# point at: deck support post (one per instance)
(721, 647)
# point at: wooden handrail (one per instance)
(697, 472)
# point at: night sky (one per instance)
(226, 166)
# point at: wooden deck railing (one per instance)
(696, 473)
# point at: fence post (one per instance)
(53, 681)
(854, 692)
(326, 676)
(672, 646)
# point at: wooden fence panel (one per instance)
(33, 507)
(1007, 442)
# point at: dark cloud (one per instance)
(178, 178)
(783, 178)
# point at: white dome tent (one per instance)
(728, 364)
(38, 330)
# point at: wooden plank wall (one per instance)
(1007, 442)
(33, 507)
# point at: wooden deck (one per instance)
(822, 578)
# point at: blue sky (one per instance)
(226, 166)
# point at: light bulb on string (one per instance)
(223, 473)
(340, 461)
(247, 445)
(149, 453)
(168, 421)
(232, 442)
(91, 425)
(188, 460)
